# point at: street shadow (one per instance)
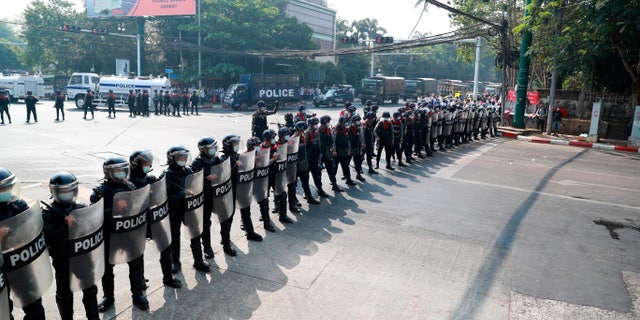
(477, 291)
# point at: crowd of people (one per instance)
(131, 205)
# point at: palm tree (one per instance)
(367, 28)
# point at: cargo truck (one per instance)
(266, 87)
(379, 89)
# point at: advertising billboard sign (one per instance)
(140, 8)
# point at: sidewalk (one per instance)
(532, 135)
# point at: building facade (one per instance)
(320, 18)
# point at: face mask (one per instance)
(66, 196)
(273, 141)
(312, 126)
(236, 148)
(385, 119)
(212, 152)
(5, 196)
(146, 169)
(181, 163)
(357, 123)
(286, 138)
(119, 175)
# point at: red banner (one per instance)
(532, 96)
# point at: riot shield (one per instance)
(281, 171)
(434, 125)
(27, 259)
(246, 174)
(129, 225)
(4, 292)
(440, 123)
(483, 120)
(222, 190)
(261, 180)
(86, 247)
(292, 158)
(193, 202)
(157, 214)
(448, 122)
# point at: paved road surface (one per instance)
(495, 229)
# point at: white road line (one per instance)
(451, 169)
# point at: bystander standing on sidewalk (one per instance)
(557, 121)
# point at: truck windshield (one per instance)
(75, 80)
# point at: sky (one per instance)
(398, 17)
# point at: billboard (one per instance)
(122, 67)
(140, 8)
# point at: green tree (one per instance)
(9, 52)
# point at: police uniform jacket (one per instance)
(59, 101)
(106, 190)
(356, 139)
(30, 101)
(342, 140)
(12, 209)
(312, 145)
(176, 191)
(204, 163)
(326, 142)
(384, 132)
(56, 231)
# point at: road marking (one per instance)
(587, 184)
(450, 170)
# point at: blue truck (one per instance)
(269, 88)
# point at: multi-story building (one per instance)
(319, 17)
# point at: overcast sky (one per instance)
(398, 17)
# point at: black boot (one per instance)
(283, 209)
(245, 215)
(65, 306)
(264, 213)
(322, 194)
(140, 301)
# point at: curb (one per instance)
(573, 143)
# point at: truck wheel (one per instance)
(80, 101)
(243, 107)
(236, 108)
(330, 104)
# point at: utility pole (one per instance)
(523, 73)
(476, 73)
(554, 71)
(199, 50)
(140, 40)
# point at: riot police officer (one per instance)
(88, 104)
(208, 157)
(31, 101)
(59, 105)
(384, 139)
(116, 173)
(140, 163)
(343, 148)
(268, 142)
(398, 136)
(195, 101)
(302, 166)
(156, 102)
(57, 221)
(328, 150)
(144, 103)
(259, 121)
(356, 142)
(312, 146)
(185, 102)
(131, 101)
(281, 199)
(111, 103)
(4, 106)
(177, 157)
(245, 213)
(369, 139)
(166, 102)
(11, 205)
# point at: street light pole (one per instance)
(395, 71)
(199, 50)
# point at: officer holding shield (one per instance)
(140, 162)
(177, 192)
(208, 157)
(253, 145)
(57, 221)
(10, 206)
(116, 172)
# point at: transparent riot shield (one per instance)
(86, 246)
(261, 179)
(222, 193)
(434, 125)
(440, 123)
(281, 170)
(193, 214)
(158, 213)
(246, 176)
(129, 225)
(292, 158)
(448, 123)
(26, 257)
(4, 292)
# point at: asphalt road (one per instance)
(495, 229)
